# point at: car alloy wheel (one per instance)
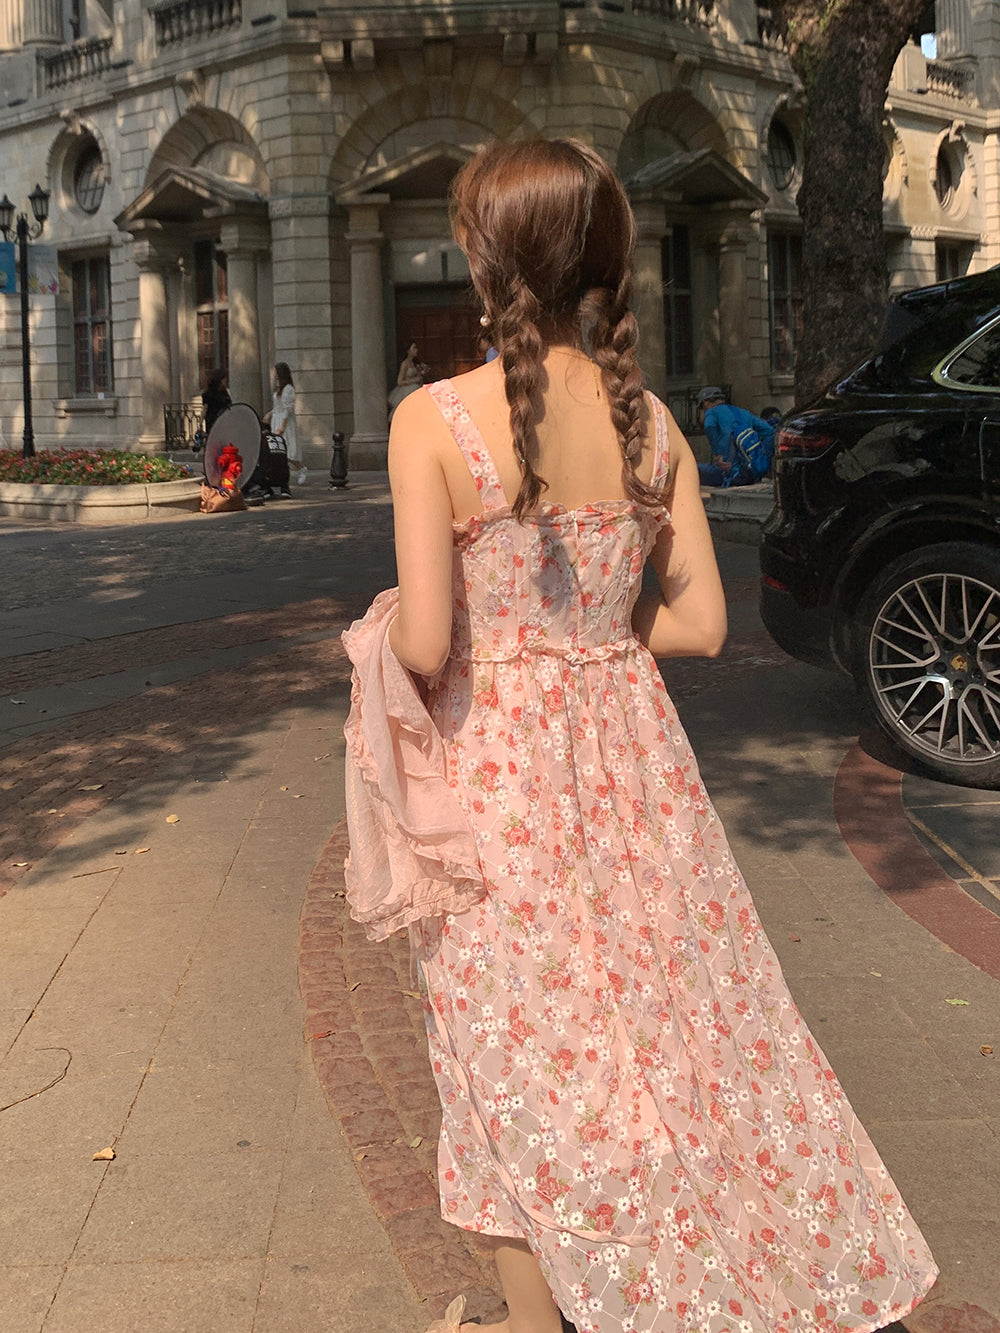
(933, 663)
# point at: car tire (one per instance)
(927, 660)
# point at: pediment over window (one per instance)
(702, 176)
(189, 194)
(424, 173)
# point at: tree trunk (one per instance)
(843, 51)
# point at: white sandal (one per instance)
(452, 1321)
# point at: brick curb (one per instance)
(365, 1024)
(868, 805)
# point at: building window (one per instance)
(88, 179)
(677, 302)
(92, 327)
(212, 303)
(784, 257)
(780, 155)
(951, 261)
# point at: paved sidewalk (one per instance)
(257, 1066)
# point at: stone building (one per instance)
(239, 181)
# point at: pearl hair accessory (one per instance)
(484, 320)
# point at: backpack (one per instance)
(755, 452)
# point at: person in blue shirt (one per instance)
(742, 445)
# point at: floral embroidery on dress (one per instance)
(625, 1078)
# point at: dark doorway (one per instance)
(444, 324)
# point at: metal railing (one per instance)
(87, 59)
(683, 404)
(187, 20)
(181, 423)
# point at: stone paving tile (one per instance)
(190, 1206)
(123, 745)
(26, 1294)
(157, 1297)
(42, 1198)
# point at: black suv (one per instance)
(882, 554)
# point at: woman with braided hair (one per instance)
(633, 1110)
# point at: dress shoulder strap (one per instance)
(661, 443)
(470, 441)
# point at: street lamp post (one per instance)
(25, 232)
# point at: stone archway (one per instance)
(693, 208)
(203, 210)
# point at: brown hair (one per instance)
(283, 371)
(549, 235)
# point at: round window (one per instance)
(780, 155)
(88, 179)
(948, 174)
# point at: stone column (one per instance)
(648, 299)
(734, 314)
(953, 22)
(11, 27)
(42, 22)
(302, 316)
(368, 376)
(243, 242)
(154, 345)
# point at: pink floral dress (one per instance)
(625, 1079)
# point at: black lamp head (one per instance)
(40, 204)
(6, 215)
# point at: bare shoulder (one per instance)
(418, 429)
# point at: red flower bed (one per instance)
(88, 467)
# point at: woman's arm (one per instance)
(420, 636)
(404, 369)
(687, 618)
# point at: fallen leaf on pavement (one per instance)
(91, 786)
(986, 1050)
(17, 701)
(53, 811)
(956, 1001)
(139, 851)
(318, 757)
(105, 1155)
(122, 853)
(21, 864)
(360, 1156)
(173, 819)
(354, 985)
(415, 1143)
(282, 789)
(796, 939)
(318, 1036)
(297, 796)
(413, 994)
(874, 974)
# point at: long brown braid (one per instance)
(549, 236)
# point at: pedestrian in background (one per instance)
(633, 1108)
(281, 420)
(742, 445)
(215, 399)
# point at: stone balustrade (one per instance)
(87, 59)
(768, 34)
(686, 11)
(945, 80)
(187, 20)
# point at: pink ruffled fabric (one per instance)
(413, 852)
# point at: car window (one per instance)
(975, 365)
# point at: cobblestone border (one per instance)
(365, 1025)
